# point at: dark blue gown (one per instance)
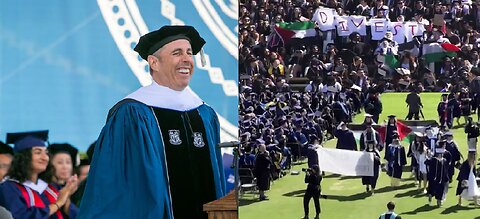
(437, 175)
(129, 176)
(73, 209)
(14, 197)
(346, 140)
(396, 160)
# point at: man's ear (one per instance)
(153, 62)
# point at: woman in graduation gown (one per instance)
(24, 193)
(391, 129)
(396, 160)
(372, 180)
(418, 151)
(443, 113)
(466, 169)
(62, 161)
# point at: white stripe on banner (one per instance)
(345, 162)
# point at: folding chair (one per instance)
(248, 182)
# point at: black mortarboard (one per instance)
(64, 148)
(27, 140)
(391, 116)
(84, 162)
(5, 149)
(151, 42)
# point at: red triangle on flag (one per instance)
(403, 130)
(284, 34)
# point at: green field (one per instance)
(346, 195)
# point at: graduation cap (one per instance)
(395, 135)
(448, 134)
(5, 149)
(370, 142)
(368, 115)
(151, 42)
(54, 149)
(84, 162)
(27, 140)
(391, 116)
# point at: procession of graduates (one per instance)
(40, 180)
(434, 157)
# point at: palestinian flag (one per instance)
(301, 29)
(402, 129)
(435, 52)
(405, 128)
(391, 61)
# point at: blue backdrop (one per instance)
(63, 64)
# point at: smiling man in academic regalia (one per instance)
(156, 157)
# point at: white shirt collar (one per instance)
(39, 187)
(163, 97)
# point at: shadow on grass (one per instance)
(354, 197)
(455, 209)
(245, 202)
(350, 177)
(389, 188)
(423, 208)
(331, 176)
(297, 193)
(416, 193)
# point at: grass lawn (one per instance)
(346, 195)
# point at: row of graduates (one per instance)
(40, 183)
(456, 105)
(434, 161)
(432, 165)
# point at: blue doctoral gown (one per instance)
(128, 177)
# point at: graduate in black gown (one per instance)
(437, 175)
(391, 129)
(396, 160)
(346, 139)
(371, 181)
(442, 110)
(418, 151)
(455, 154)
(467, 167)
(370, 134)
(263, 165)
